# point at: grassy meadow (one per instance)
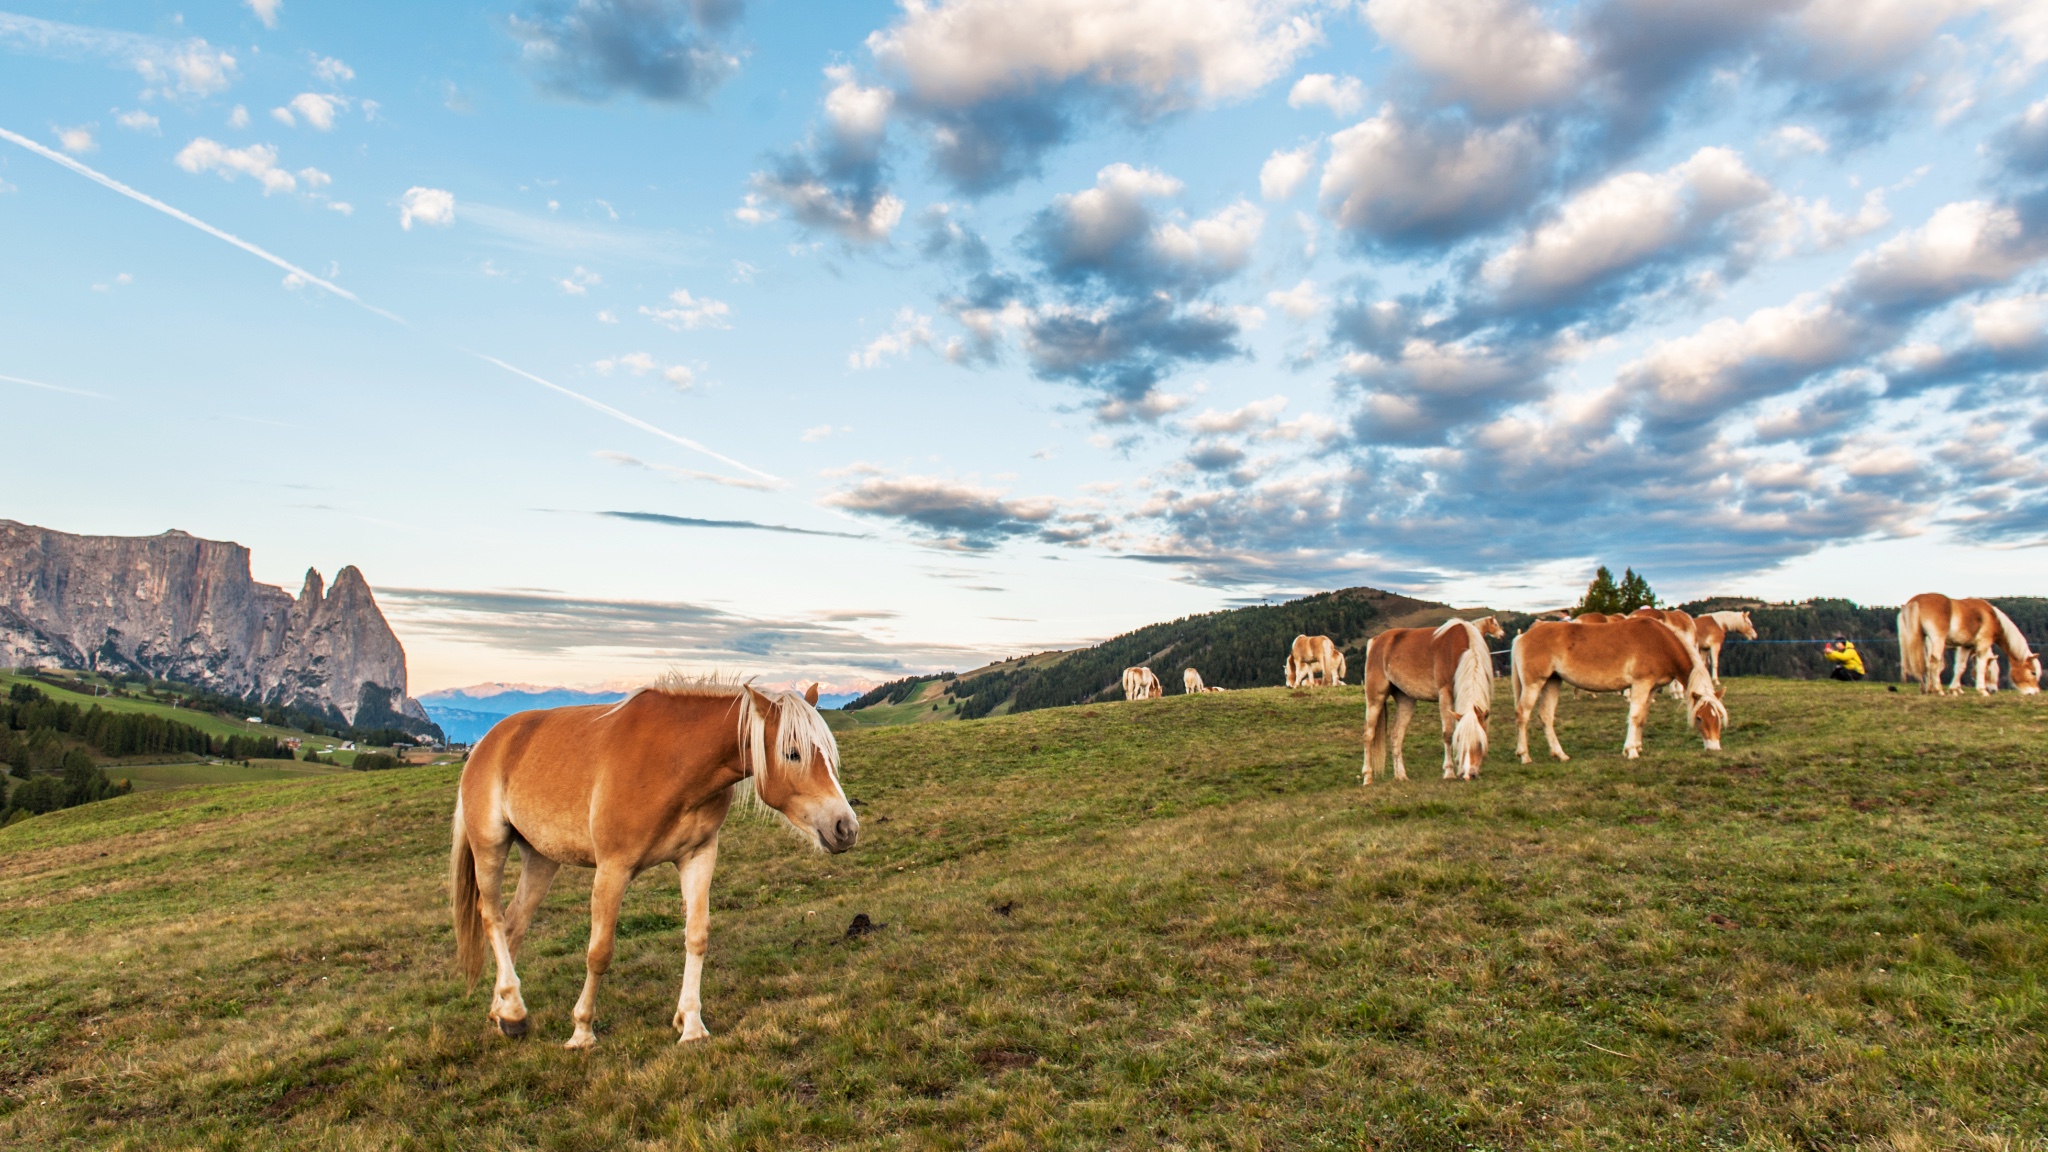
(1170, 923)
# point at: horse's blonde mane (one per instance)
(800, 728)
(2014, 640)
(1473, 682)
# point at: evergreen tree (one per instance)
(1635, 592)
(1601, 595)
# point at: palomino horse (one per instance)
(1930, 622)
(621, 789)
(1314, 657)
(1637, 655)
(1191, 682)
(1141, 684)
(1449, 664)
(1714, 630)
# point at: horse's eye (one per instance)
(795, 756)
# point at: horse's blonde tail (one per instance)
(1515, 666)
(1375, 717)
(1912, 645)
(1471, 698)
(464, 903)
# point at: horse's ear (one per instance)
(811, 695)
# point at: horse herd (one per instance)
(650, 780)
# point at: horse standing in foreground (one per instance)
(1311, 658)
(1449, 664)
(623, 788)
(1638, 655)
(1141, 684)
(1714, 630)
(1930, 622)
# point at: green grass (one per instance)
(1831, 935)
(149, 777)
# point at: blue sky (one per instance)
(842, 340)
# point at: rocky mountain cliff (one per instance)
(181, 608)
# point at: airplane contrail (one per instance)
(140, 197)
(635, 421)
(52, 387)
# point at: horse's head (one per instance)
(1745, 626)
(1488, 626)
(2026, 675)
(1709, 714)
(796, 768)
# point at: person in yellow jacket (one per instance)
(1847, 661)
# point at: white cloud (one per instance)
(681, 377)
(911, 331)
(1795, 139)
(257, 161)
(266, 11)
(1495, 56)
(1964, 245)
(813, 435)
(754, 209)
(579, 282)
(1301, 301)
(1284, 171)
(239, 118)
(432, 206)
(638, 363)
(331, 70)
(342, 206)
(1408, 182)
(1625, 220)
(689, 312)
(2013, 324)
(858, 115)
(78, 141)
(315, 178)
(1169, 53)
(1343, 95)
(607, 316)
(1722, 365)
(314, 108)
(814, 202)
(194, 68)
(139, 121)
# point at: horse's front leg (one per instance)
(1983, 671)
(1639, 695)
(1955, 682)
(696, 872)
(607, 892)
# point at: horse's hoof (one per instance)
(582, 1041)
(689, 1037)
(512, 1029)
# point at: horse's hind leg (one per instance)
(536, 874)
(1404, 711)
(607, 892)
(1552, 689)
(689, 1019)
(507, 1008)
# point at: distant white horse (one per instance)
(1141, 684)
(1313, 658)
(1191, 681)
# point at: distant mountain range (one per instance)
(465, 714)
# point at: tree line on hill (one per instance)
(1246, 647)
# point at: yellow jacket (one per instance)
(1846, 656)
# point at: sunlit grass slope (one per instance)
(1174, 922)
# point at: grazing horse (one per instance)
(1449, 664)
(1314, 657)
(1141, 684)
(1714, 630)
(1191, 682)
(1638, 655)
(623, 788)
(1930, 622)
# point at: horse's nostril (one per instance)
(844, 829)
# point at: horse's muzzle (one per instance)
(838, 830)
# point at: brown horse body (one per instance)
(1634, 655)
(1930, 622)
(1448, 664)
(1141, 683)
(621, 789)
(1314, 658)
